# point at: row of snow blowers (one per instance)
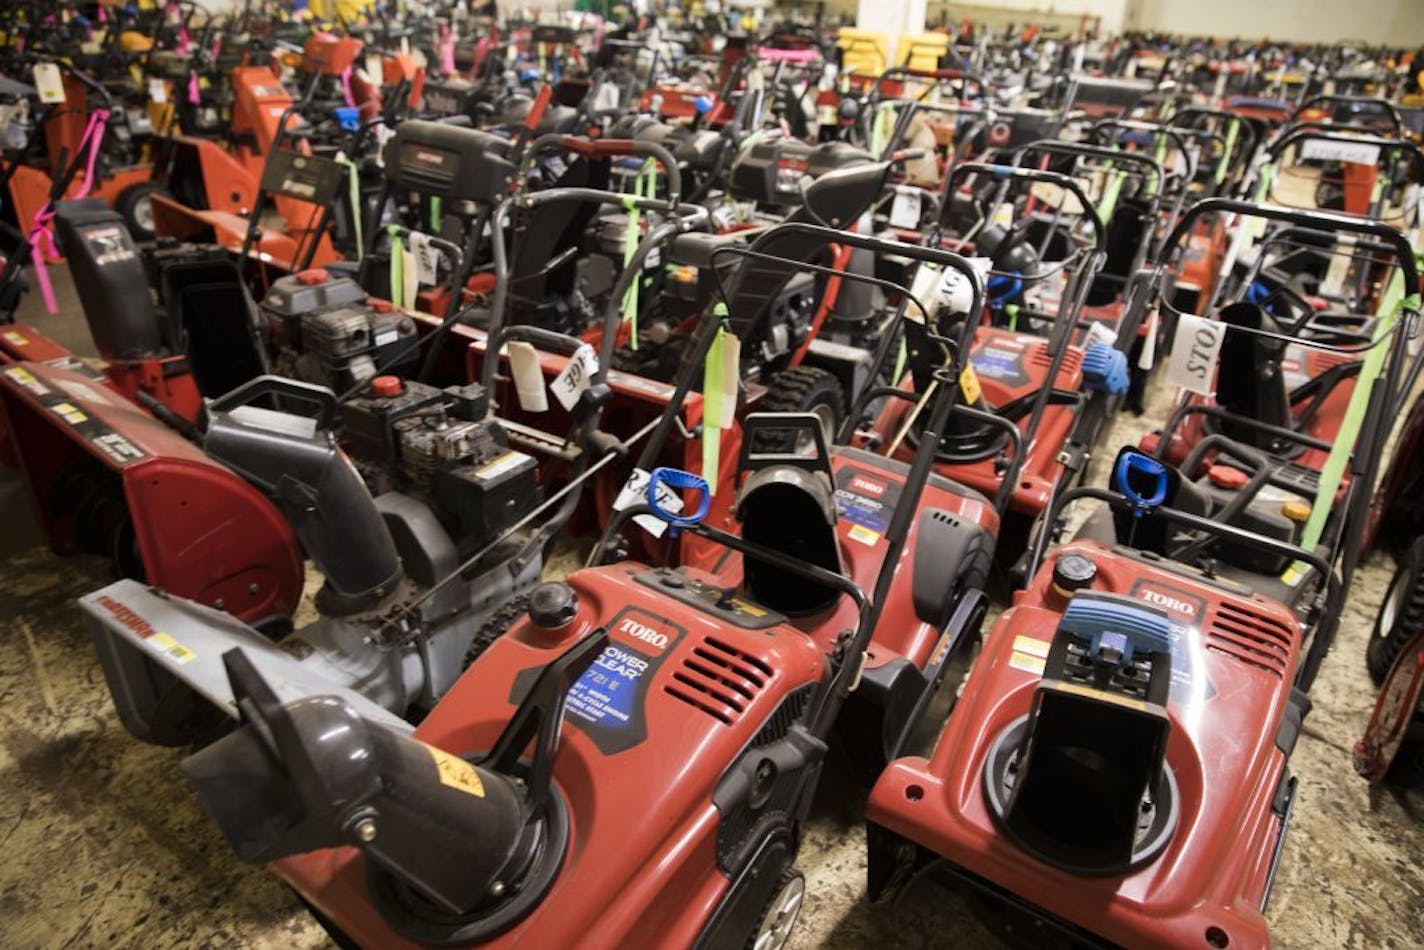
(807, 369)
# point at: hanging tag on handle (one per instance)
(528, 377)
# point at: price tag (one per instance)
(375, 70)
(158, 91)
(570, 384)
(1004, 214)
(1196, 350)
(49, 83)
(1327, 150)
(635, 492)
(427, 259)
(905, 212)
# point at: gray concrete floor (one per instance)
(103, 843)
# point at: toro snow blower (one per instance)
(627, 689)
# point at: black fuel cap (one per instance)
(552, 605)
(1073, 572)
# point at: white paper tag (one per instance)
(408, 274)
(1339, 270)
(1099, 332)
(49, 83)
(635, 492)
(1004, 214)
(905, 211)
(1147, 358)
(1327, 150)
(375, 70)
(158, 91)
(427, 259)
(528, 377)
(570, 384)
(1196, 349)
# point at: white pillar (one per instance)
(894, 18)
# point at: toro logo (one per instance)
(644, 633)
(1167, 602)
(866, 487)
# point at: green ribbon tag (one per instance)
(643, 186)
(1221, 166)
(712, 398)
(353, 195)
(1111, 191)
(436, 213)
(397, 265)
(1332, 473)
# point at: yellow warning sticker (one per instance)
(171, 648)
(1106, 697)
(456, 773)
(1026, 662)
(969, 384)
(859, 532)
(1031, 645)
(747, 608)
(70, 414)
(16, 338)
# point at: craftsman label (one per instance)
(1185, 610)
(456, 773)
(865, 501)
(1196, 349)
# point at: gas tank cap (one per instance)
(1073, 572)
(553, 605)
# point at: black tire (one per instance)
(802, 389)
(1400, 616)
(135, 205)
(778, 918)
(494, 627)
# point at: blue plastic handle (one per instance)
(1130, 462)
(678, 480)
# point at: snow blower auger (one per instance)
(626, 691)
(1115, 771)
(433, 524)
(1040, 401)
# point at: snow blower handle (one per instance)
(678, 481)
(1136, 463)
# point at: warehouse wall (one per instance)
(1397, 22)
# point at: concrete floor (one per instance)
(103, 843)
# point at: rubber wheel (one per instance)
(1407, 769)
(1401, 614)
(135, 205)
(778, 917)
(495, 626)
(802, 389)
